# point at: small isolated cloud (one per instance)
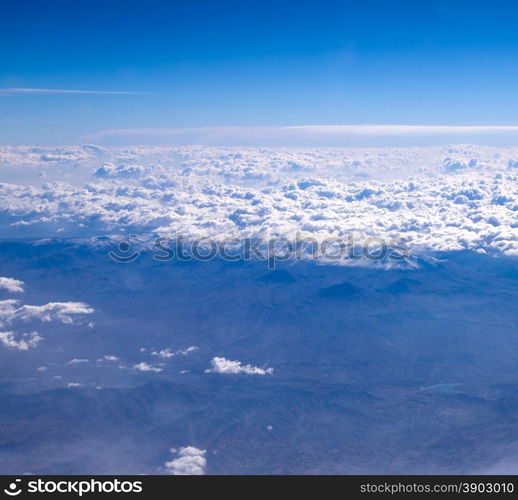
(169, 353)
(22, 342)
(109, 357)
(11, 285)
(60, 311)
(146, 367)
(184, 352)
(10, 310)
(73, 384)
(226, 366)
(77, 361)
(164, 353)
(190, 461)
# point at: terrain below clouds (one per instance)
(303, 369)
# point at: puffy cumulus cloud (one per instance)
(11, 285)
(22, 342)
(110, 170)
(226, 366)
(65, 312)
(11, 311)
(146, 367)
(189, 461)
(434, 198)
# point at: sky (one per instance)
(241, 72)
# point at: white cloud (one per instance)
(190, 461)
(169, 353)
(124, 170)
(190, 349)
(77, 361)
(11, 311)
(226, 366)
(434, 198)
(164, 353)
(146, 367)
(381, 130)
(11, 285)
(71, 385)
(22, 342)
(109, 357)
(65, 312)
(312, 135)
(28, 90)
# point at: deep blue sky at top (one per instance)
(201, 63)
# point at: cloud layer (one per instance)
(434, 199)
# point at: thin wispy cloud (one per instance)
(305, 134)
(30, 90)
(378, 130)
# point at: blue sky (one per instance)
(191, 64)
